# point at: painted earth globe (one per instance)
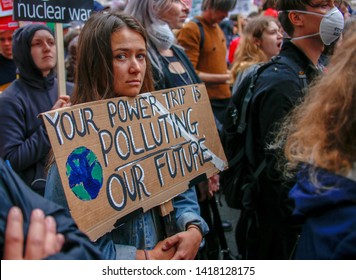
(85, 174)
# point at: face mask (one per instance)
(331, 25)
(161, 35)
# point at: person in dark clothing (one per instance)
(326, 207)
(279, 89)
(16, 197)
(321, 147)
(42, 239)
(7, 64)
(24, 141)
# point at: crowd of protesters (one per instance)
(303, 125)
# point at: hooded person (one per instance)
(24, 141)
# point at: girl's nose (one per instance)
(134, 67)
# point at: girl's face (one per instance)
(271, 40)
(43, 51)
(176, 15)
(129, 62)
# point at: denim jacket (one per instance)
(142, 231)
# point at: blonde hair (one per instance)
(322, 130)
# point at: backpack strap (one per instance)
(255, 73)
(260, 169)
(201, 30)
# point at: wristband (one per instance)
(196, 227)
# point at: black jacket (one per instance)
(14, 192)
(24, 140)
(7, 70)
(279, 89)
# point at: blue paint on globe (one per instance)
(85, 174)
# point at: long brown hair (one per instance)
(322, 130)
(248, 53)
(94, 79)
(95, 75)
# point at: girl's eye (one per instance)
(141, 56)
(120, 56)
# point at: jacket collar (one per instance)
(293, 52)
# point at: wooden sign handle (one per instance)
(166, 208)
(169, 220)
(60, 60)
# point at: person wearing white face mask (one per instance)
(330, 27)
(321, 149)
(310, 24)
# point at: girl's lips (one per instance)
(134, 82)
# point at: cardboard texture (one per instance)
(119, 155)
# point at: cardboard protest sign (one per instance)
(118, 155)
(59, 11)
